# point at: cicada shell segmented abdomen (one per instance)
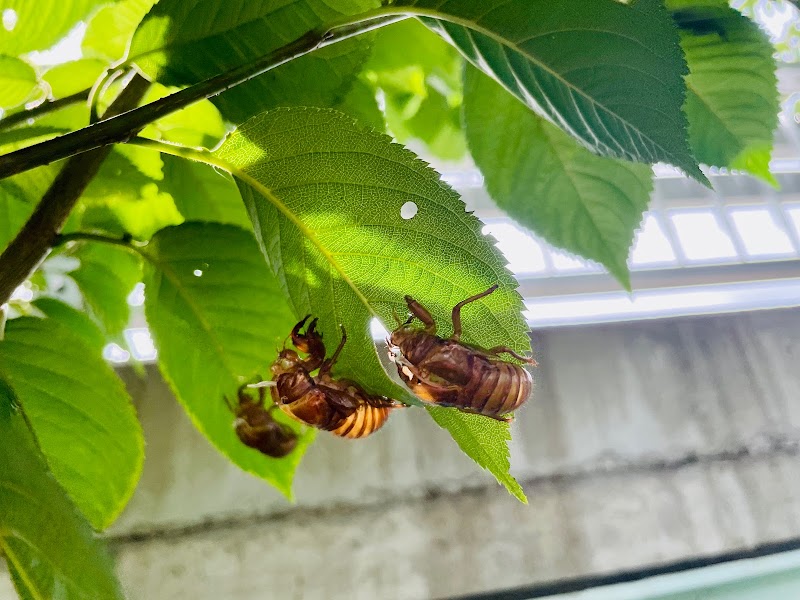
(368, 419)
(340, 406)
(450, 373)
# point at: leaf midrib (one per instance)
(474, 26)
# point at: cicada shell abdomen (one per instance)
(256, 427)
(340, 406)
(450, 373)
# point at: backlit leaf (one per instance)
(218, 318)
(587, 204)
(732, 103)
(325, 199)
(607, 73)
(80, 412)
(105, 277)
(37, 25)
(181, 42)
(18, 82)
(203, 193)
(49, 548)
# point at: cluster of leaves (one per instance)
(562, 105)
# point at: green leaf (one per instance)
(76, 321)
(73, 77)
(218, 317)
(18, 82)
(325, 199)
(111, 29)
(126, 195)
(203, 193)
(106, 276)
(80, 412)
(421, 86)
(40, 24)
(181, 42)
(49, 548)
(732, 103)
(199, 124)
(610, 75)
(539, 175)
(483, 440)
(361, 104)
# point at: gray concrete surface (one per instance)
(645, 442)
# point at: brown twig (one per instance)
(34, 241)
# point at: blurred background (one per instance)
(660, 454)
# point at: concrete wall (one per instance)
(645, 443)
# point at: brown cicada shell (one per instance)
(448, 372)
(256, 427)
(336, 405)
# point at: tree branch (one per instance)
(122, 127)
(45, 107)
(37, 236)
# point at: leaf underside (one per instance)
(49, 548)
(181, 42)
(621, 98)
(80, 412)
(325, 198)
(576, 200)
(218, 318)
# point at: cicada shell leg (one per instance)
(422, 314)
(326, 367)
(457, 311)
(506, 350)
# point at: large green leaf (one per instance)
(576, 200)
(80, 412)
(218, 318)
(325, 197)
(181, 42)
(39, 24)
(18, 82)
(50, 549)
(105, 277)
(732, 103)
(609, 74)
(203, 193)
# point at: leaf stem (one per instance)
(80, 236)
(122, 127)
(35, 239)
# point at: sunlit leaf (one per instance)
(80, 412)
(49, 548)
(325, 199)
(218, 317)
(732, 102)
